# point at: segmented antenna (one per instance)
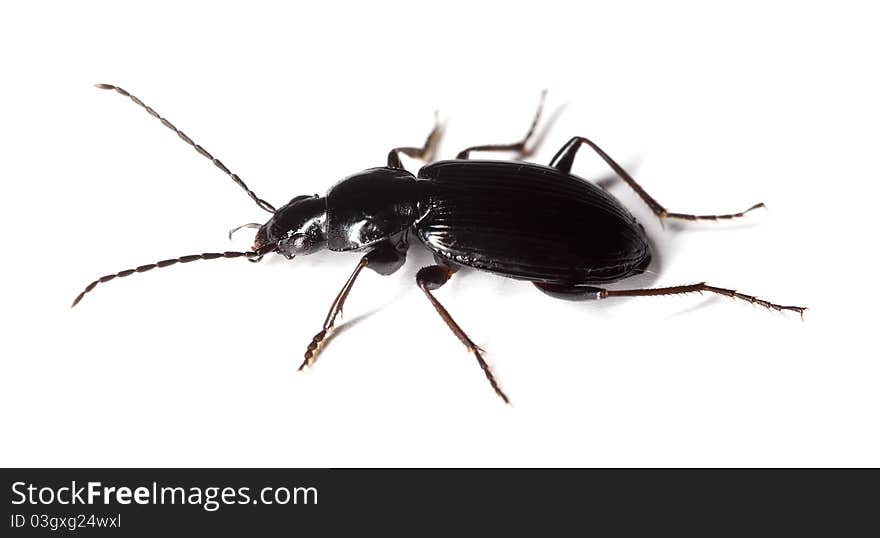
(202, 151)
(250, 255)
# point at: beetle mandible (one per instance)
(516, 219)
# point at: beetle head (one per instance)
(299, 227)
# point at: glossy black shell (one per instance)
(528, 221)
(370, 206)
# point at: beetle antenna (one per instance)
(263, 204)
(253, 255)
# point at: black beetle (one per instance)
(516, 219)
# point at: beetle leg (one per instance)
(565, 158)
(424, 153)
(335, 310)
(590, 292)
(432, 277)
(519, 147)
(384, 259)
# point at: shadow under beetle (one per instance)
(516, 219)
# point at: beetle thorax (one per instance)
(370, 207)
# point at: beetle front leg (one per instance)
(564, 159)
(384, 259)
(432, 277)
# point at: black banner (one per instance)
(127, 502)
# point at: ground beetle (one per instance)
(516, 219)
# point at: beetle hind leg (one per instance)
(590, 292)
(432, 277)
(564, 159)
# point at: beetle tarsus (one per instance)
(311, 353)
(686, 216)
(488, 372)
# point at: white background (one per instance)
(711, 108)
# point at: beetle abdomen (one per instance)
(529, 221)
